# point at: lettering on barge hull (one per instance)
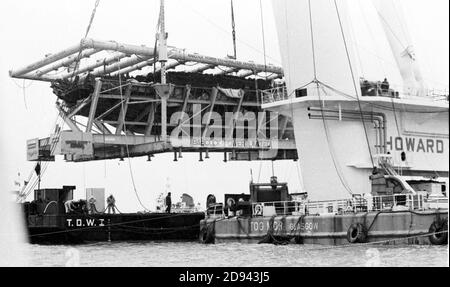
(418, 145)
(264, 226)
(84, 222)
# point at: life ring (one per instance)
(357, 233)
(231, 202)
(259, 209)
(439, 232)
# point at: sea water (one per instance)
(193, 254)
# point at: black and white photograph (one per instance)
(243, 134)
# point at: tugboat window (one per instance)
(299, 93)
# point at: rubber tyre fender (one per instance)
(357, 233)
(441, 238)
(207, 234)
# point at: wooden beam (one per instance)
(94, 102)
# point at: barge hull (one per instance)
(64, 229)
(405, 227)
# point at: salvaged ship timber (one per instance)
(269, 214)
(48, 222)
(115, 105)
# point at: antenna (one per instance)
(233, 30)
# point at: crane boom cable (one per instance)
(233, 27)
(88, 29)
(126, 142)
(354, 82)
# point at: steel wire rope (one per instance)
(353, 37)
(354, 81)
(330, 146)
(78, 60)
(23, 87)
(227, 32)
(326, 130)
(290, 96)
(126, 141)
(377, 48)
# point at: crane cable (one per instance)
(126, 140)
(325, 126)
(354, 82)
(88, 29)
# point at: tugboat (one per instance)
(374, 159)
(270, 214)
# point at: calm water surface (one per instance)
(176, 254)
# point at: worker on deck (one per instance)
(111, 204)
(366, 88)
(92, 209)
(385, 86)
(69, 206)
(168, 202)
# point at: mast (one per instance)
(400, 42)
(162, 51)
(233, 27)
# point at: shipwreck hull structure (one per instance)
(110, 99)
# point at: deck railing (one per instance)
(274, 95)
(353, 205)
(357, 204)
(215, 210)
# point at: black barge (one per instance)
(48, 222)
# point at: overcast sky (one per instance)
(31, 29)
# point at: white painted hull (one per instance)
(334, 154)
